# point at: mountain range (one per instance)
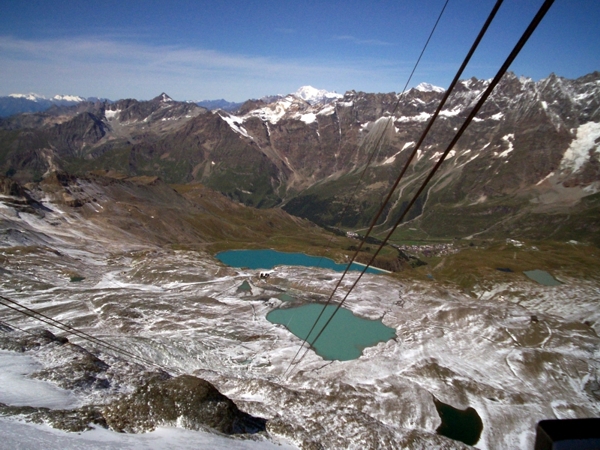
(23, 103)
(526, 167)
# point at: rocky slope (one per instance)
(527, 166)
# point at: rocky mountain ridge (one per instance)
(530, 157)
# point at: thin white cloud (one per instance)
(117, 69)
(355, 40)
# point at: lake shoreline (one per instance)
(267, 259)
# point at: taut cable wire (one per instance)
(518, 47)
(375, 147)
(7, 302)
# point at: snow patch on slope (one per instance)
(392, 158)
(551, 174)
(236, 125)
(509, 139)
(164, 98)
(451, 112)
(587, 140)
(110, 114)
(422, 117)
(272, 113)
(308, 118)
(437, 155)
(327, 111)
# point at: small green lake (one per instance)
(267, 259)
(542, 277)
(345, 337)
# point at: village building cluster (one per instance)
(429, 250)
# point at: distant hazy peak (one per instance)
(57, 98)
(166, 98)
(163, 98)
(31, 96)
(68, 98)
(313, 95)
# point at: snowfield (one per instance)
(18, 390)
(26, 436)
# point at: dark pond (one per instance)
(463, 425)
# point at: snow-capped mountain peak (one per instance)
(31, 96)
(18, 103)
(427, 87)
(314, 96)
(68, 98)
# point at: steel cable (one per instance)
(68, 329)
(375, 147)
(379, 138)
(518, 47)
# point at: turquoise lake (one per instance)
(344, 338)
(267, 259)
(542, 277)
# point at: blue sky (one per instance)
(195, 50)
